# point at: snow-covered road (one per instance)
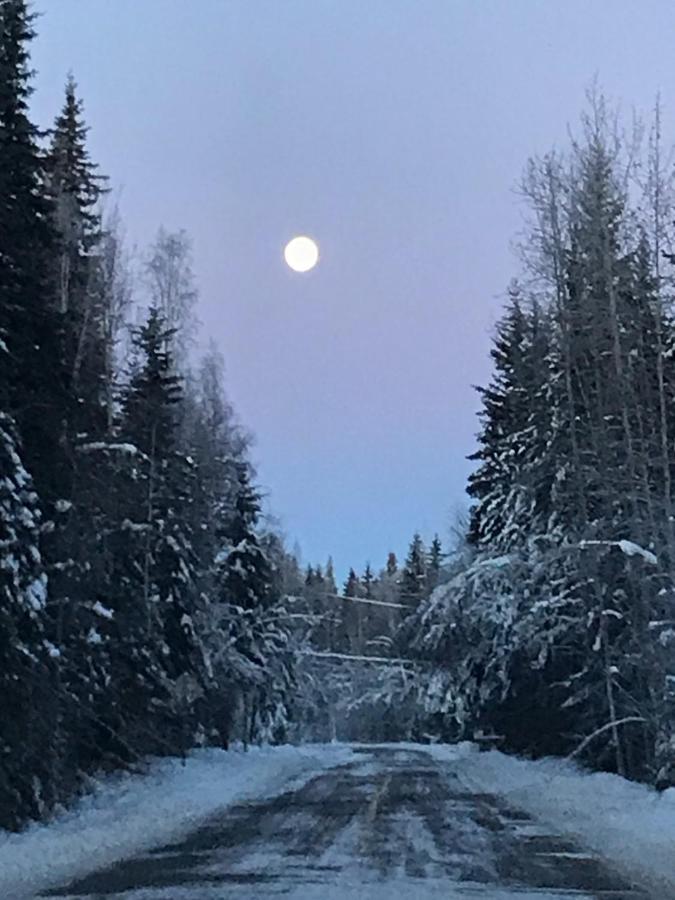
(392, 822)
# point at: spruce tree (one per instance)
(258, 669)
(152, 570)
(351, 585)
(367, 580)
(246, 580)
(509, 486)
(414, 575)
(27, 659)
(349, 635)
(76, 190)
(552, 629)
(32, 373)
(435, 562)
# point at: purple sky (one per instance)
(393, 132)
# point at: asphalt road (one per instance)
(392, 824)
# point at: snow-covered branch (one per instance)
(629, 548)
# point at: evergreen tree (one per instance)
(552, 629)
(76, 189)
(246, 575)
(351, 586)
(143, 611)
(435, 562)
(510, 486)
(414, 576)
(258, 670)
(32, 377)
(367, 581)
(27, 660)
(153, 562)
(150, 411)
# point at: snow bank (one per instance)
(629, 824)
(125, 814)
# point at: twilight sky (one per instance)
(393, 132)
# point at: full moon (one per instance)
(301, 254)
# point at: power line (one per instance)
(366, 600)
(354, 658)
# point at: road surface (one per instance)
(391, 825)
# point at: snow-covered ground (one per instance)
(129, 813)
(629, 824)
(392, 822)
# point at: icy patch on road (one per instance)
(630, 825)
(126, 814)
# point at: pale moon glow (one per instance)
(301, 254)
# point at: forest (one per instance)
(148, 606)
(140, 609)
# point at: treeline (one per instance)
(139, 591)
(365, 611)
(344, 635)
(556, 629)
